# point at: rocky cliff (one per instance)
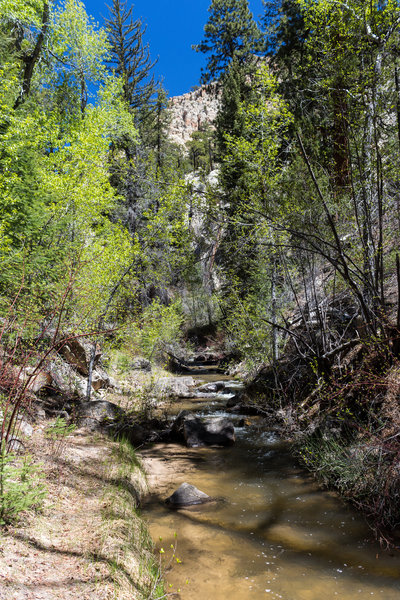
(191, 111)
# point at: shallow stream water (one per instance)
(272, 533)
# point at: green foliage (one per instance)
(55, 206)
(331, 458)
(126, 458)
(20, 26)
(166, 235)
(229, 33)
(131, 543)
(251, 175)
(236, 89)
(27, 13)
(62, 219)
(21, 486)
(245, 327)
(56, 435)
(286, 35)
(159, 326)
(201, 149)
(265, 122)
(79, 46)
(359, 470)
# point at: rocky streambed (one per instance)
(269, 531)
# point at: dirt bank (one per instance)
(88, 542)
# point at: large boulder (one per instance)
(211, 388)
(40, 380)
(109, 418)
(178, 387)
(76, 351)
(24, 428)
(187, 495)
(66, 380)
(100, 415)
(208, 431)
(140, 364)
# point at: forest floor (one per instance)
(88, 541)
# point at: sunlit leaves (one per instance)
(266, 120)
(25, 12)
(78, 41)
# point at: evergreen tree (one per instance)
(157, 127)
(130, 55)
(232, 39)
(236, 88)
(285, 36)
(201, 149)
(298, 65)
(236, 249)
(257, 152)
(230, 32)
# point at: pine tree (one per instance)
(297, 62)
(130, 55)
(236, 249)
(201, 149)
(236, 88)
(230, 32)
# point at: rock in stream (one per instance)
(208, 431)
(187, 495)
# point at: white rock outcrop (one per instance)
(191, 111)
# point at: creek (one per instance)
(272, 533)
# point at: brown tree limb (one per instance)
(31, 59)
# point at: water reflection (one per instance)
(275, 535)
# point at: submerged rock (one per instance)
(211, 388)
(197, 432)
(187, 495)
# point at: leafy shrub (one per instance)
(21, 486)
(159, 327)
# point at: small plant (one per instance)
(167, 559)
(124, 362)
(21, 486)
(56, 435)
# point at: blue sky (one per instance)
(172, 27)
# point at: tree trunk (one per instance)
(274, 312)
(31, 59)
